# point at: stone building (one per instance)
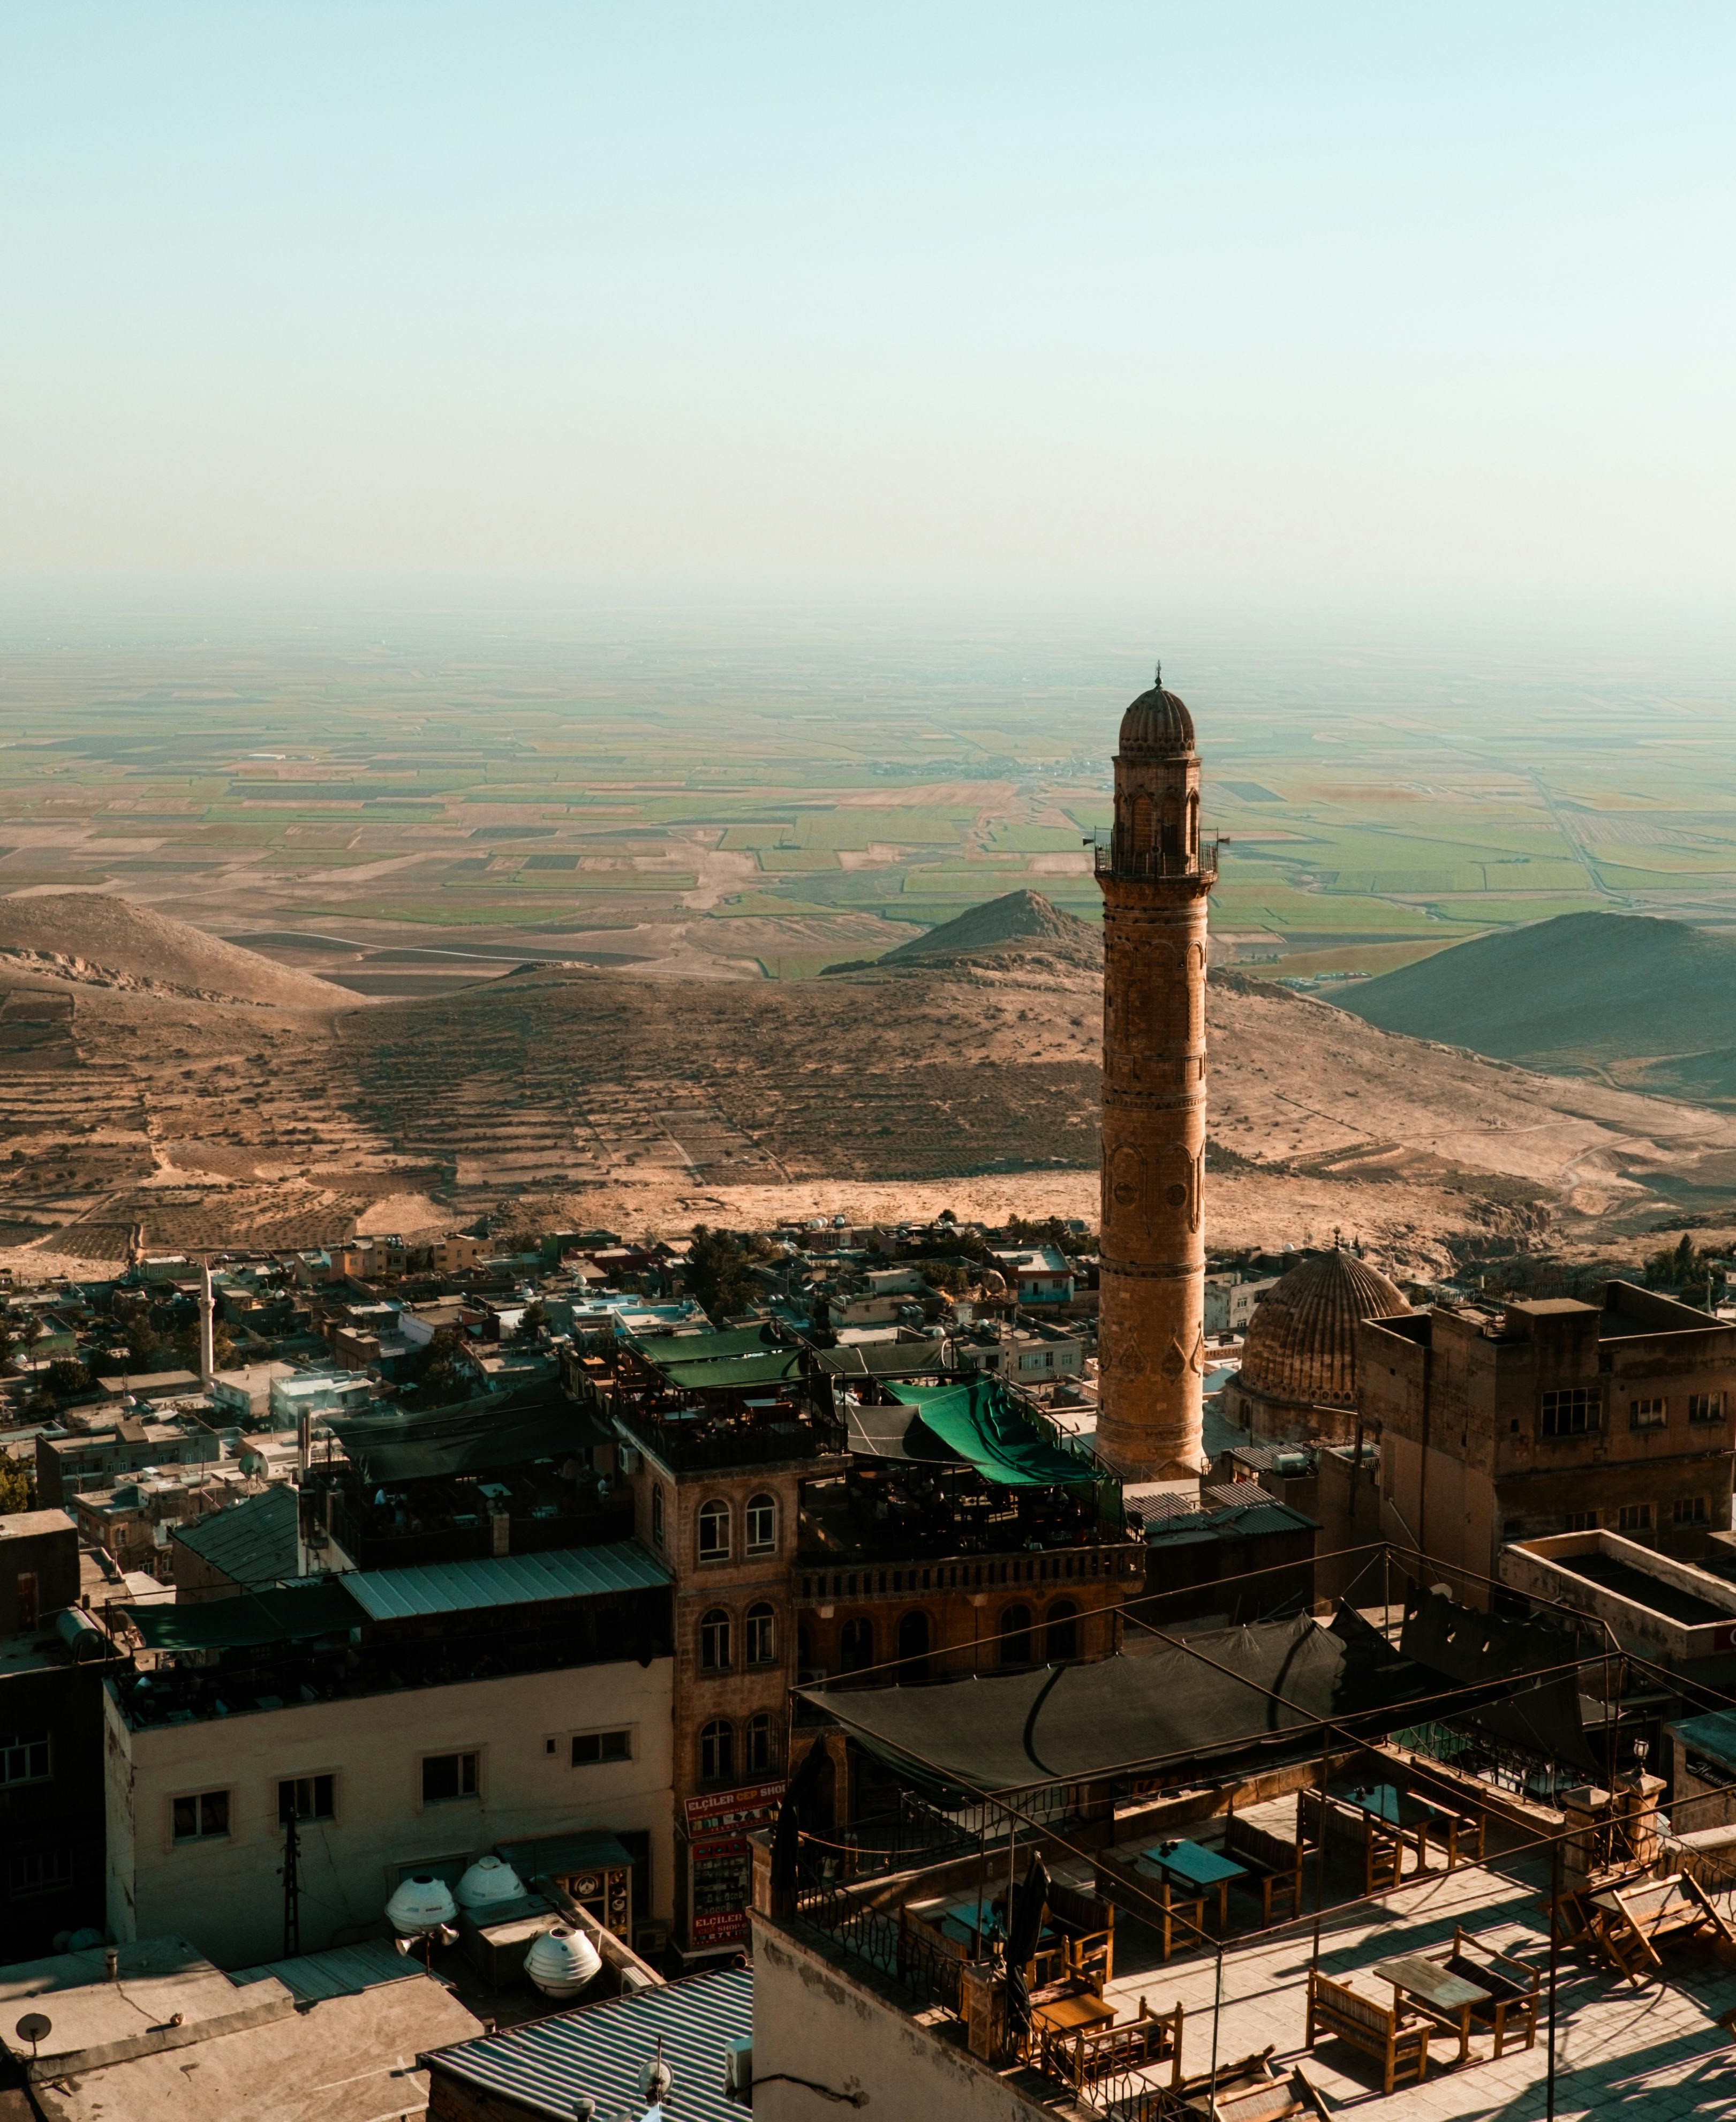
(1155, 874)
(1297, 1378)
(1552, 1417)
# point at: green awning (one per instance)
(736, 1373)
(250, 1619)
(665, 1349)
(981, 1422)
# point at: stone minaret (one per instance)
(1156, 873)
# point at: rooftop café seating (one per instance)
(1626, 1923)
(1273, 1866)
(1513, 1988)
(1083, 2055)
(1394, 2034)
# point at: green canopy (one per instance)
(982, 1421)
(667, 1350)
(736, 1373)
(250, 1619)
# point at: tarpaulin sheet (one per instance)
(1074, 1723)
(1543, 1717)
(980, 1422)
(477, 1436)
(249, 1619)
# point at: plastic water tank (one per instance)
(422, 1903)
(490, 1883)
(562, 1962)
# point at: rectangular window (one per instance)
(1690, 1510)
(38, 1872)
(203, 1817)
(1647, 1414)
(307, 1797)
(657, 1518)
(589, 1748)
(1635, 1518)
(25, 1758)
(1570, 1411)
(1705, 1407)
(446, 1776)
(1580, 1521)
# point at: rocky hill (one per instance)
(965, 1077)
(93, 939)
(1641, 1002)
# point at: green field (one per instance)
(799, 794)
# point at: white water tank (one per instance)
(561, 1962)
(490, 1883)
(420, 1904)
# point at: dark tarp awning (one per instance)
(1076, 1723)
(663, 1350)
(884, 1359)
(493, 1430)
(979, 1420)
(251, 1619)
(893, 1431)
(1543, 1717)
(772, 1367)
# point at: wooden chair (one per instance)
(1387, 2032)
(1087, 1925)
(1083, 2055)
(1514, 1987)
(1348, 1831)
(1273, 1865)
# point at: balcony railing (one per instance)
(1054, 1568)
(1155, 863)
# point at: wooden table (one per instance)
(1409, 1818)
(1442, 1993)
(1066, 2014)
(1198, 1872)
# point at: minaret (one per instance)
(1155, 874)
(208, 1334)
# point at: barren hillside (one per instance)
(96, 940)
(965, 1075)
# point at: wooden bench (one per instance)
(1513, 1987)
(1398, 2043)
(1273, 1865)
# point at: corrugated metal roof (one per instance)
(345, 1972)
(506, 1580)
(600, 2050)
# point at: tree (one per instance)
(535, 1316)
(718, 1273)
(64, 1379)
(15, 1488)
(445, 1376)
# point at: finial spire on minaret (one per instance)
(1158, 681)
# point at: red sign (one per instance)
(723, 1885)
(733, 1812)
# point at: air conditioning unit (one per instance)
(629, 1458)
(738, 2070)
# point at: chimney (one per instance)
(111, 1963)
(500, 1519)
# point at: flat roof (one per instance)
(506, 1580)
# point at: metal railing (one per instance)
(713, 1443)
(928, 1976)
(1154, 863)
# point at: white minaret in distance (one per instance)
(207, 1333)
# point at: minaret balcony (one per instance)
(1109, 860)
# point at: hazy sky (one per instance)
(1304, 293)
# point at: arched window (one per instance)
(1015, 1635)
(913, 1646)
(717, 1752)
(714, 1642)
(657, 1518)
(762, 1526)
(714, 1531)
(1063, 1632)
(855, 1646)
(760, 1747)
(762, 1646)
(1193, 824)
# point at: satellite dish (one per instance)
(33, 2027)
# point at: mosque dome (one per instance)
(1300, 1353)
(1157, 725)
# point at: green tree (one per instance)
(718, 1272)
(64, 1379)
(17, 1488)
(445, 1376)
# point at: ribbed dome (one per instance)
(1157, 725)
(1300, 1344)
